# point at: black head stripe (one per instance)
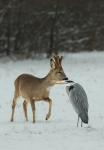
(71, 87)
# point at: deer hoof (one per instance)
(11, 120)
(33, 121)
(47, 116)
(27, 120)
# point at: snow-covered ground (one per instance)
(60, 132)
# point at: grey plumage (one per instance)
(79, 100)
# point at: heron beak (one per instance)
(70, 81)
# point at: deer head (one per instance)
(57, 73)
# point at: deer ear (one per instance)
(52, 63)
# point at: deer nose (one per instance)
(65, 78)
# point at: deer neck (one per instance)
(47, 80)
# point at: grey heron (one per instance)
(79, 101)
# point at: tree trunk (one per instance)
(52, 48)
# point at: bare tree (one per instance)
(53, 29)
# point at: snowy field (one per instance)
(60, 132)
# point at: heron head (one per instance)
(70, 81)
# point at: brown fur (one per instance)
(34, 89)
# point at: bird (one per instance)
(79, 101)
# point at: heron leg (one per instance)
(78, 121)
(81, 123)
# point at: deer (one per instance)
(34, 89)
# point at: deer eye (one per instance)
(59, 72)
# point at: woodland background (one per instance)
(31, 27)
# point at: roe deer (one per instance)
(34, 89)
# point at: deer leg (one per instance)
(78, 121)
(33, 109)
(13, 108)
(25, 103)
(50, 107)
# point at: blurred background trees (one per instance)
(31, 27)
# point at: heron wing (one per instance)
(79, 100)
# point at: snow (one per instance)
(60, 131)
